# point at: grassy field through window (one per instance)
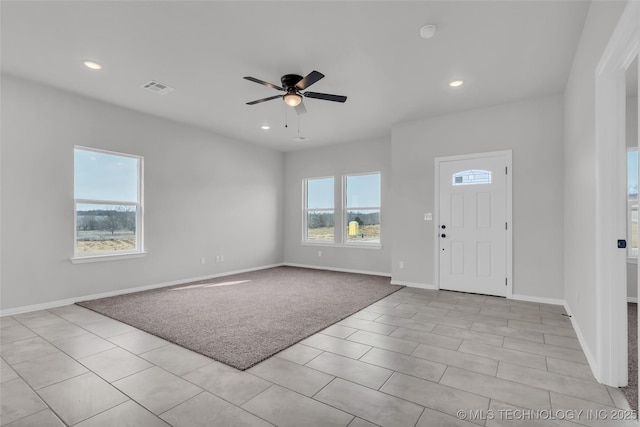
(367, 233)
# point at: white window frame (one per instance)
(83, 257)
(346, 208)
(305, 212)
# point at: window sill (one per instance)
(632, 260)
(111, 257)
(376, 246)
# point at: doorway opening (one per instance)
(631, 137)
(611, 290)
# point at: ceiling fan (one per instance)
(293, 85)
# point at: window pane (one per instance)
(105, 228)
(363, 190)
(320, 193)
(102, 176)
(632, 173)
(470, 177)
(632, 202)
(363, 225)
(320, 226)
(634, 229)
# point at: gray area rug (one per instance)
(243, 319)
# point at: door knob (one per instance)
(443, 235)
(443, 226)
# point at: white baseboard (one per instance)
(542, 300)
(632, 299)
(582, 341)
(342, 270)
(60, 303)
(413, 284)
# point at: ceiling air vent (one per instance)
(157, 87)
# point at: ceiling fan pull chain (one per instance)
(285, 116)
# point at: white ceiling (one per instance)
(369, 51)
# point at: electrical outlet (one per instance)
(217, 258)
(203, 260)
(401, 264)
(221, 258)
(319, 253)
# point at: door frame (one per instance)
(610, 103)
(507, 155)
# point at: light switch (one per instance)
(428, 216)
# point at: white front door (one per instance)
(473, 229)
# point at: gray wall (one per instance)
(631, 121)
(533, 130)
(338, 160)
(580, 169)
(205, 195)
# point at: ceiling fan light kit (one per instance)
(292, 99)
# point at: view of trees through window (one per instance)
(107, 202)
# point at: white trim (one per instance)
(610, 154)
(414, 284)
(583, 343)
(540, 300)
(632, 260)
(342, 270)
(632, 300)
(68, 301)
(105, 202)
(508, 155)
(107, 257)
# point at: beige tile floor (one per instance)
(415, 358)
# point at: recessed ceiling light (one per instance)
(265, 127)
(428, 31)
(456, 83)
(92, 65)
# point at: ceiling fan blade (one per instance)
(300, 108)
(258, 101)
(262, 82)
(326, 96)
(310, 79)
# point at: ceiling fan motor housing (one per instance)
(289, 81)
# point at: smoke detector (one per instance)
(428, 31)
(157, 87)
